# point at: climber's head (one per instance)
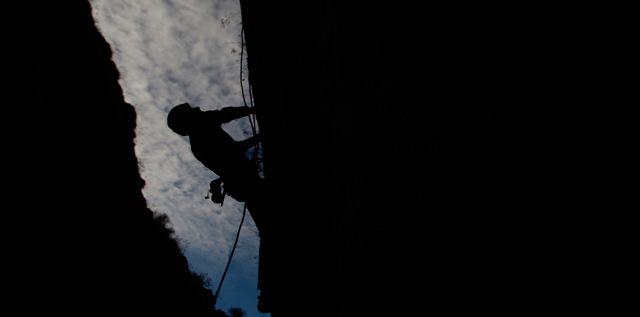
(180, 118)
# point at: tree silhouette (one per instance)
(237, 312)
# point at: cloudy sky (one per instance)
(170, 52)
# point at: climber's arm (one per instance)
(231, 113)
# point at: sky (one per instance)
(171, 52)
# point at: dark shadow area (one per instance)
(78, 239)
(448, 158)
(439, 158)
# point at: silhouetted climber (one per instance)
(239, 176)
(218, 151)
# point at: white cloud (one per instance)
(170, 52)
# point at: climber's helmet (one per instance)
(179, 118)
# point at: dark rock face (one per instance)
(448, 158)
(80, 239)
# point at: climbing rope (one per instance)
(233, 250)
(253, 123)
(252, 118)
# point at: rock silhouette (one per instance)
(448, 158)
(79, 238)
